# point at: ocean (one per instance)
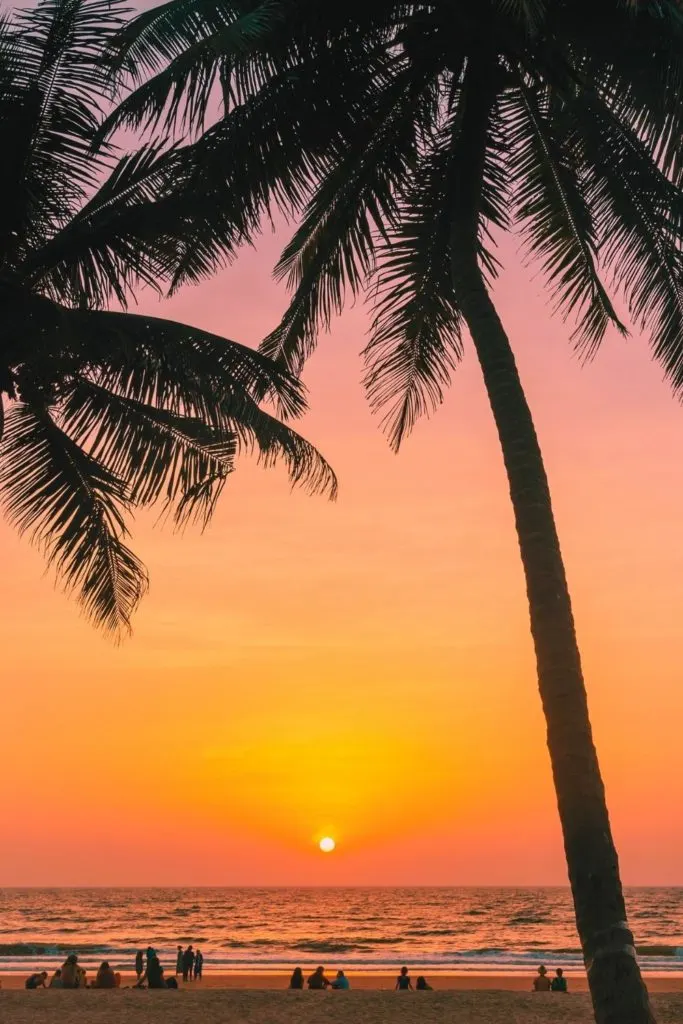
(484, 930)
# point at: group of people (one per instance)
(72, 975)
(542, 983)
(189, 963)
(318, 980)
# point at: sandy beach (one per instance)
(266, 1007)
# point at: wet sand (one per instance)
(465, 982)
(241, 1006)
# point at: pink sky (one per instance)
(363, 668)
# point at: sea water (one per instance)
(483, 930)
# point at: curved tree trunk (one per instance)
(618, 992)
(617, 989)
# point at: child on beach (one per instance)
(198, 965)
(297, 979)
(403, 982)
(37, 980)
(559, 982)
(422, 986)
(341, 982)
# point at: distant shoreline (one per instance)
(381, 981)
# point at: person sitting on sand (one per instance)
(154, 974)
(297, 979)
(559, 982)
(117, 979)
(541, 981)
(318, 980)
(105, 976)
(341, 982)
(403, 982)
(422, 986)
(37, 980)
(56, 979)
(70, 972)
(82, 977)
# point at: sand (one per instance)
(240, 1006)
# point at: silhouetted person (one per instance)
(297, 979)
(318, 980)
(542, 981)
(422, 986)
(105, 976)
(71, 974)
(341, 982)
(139, 964)
(198, 965)
(37, 980)
(179, 961)
(56, 979)
(188, 963)
(154, 973)
(559, 982)
(403, 982)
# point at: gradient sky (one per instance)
(363, 668)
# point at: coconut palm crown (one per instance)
(103, 411)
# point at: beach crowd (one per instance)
(190, 964)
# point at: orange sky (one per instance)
(362, 669)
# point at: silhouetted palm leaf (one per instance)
(108, 410)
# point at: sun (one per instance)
(327, 844)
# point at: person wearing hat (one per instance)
(542, 981)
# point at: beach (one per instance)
(239, 1006)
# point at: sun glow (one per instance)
(327, 844)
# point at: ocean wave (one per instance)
(659, 950)
(327, 946)
(430, 931)
(48, 949)
(528, 919)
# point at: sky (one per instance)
(362, 669)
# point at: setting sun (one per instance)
(327, 844)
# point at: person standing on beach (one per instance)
(188, 963)
(139, 964)
(198, 965)
(403, 982)
(179, 961)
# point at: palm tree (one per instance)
(411, 134)
(103, 411)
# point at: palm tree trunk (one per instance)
(618, 992)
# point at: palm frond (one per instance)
(354, 204)
(60, 84)
(163, 457)
(181, 93)
(72, 507)
(639, 225)
(415, 342)
(551, 204)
